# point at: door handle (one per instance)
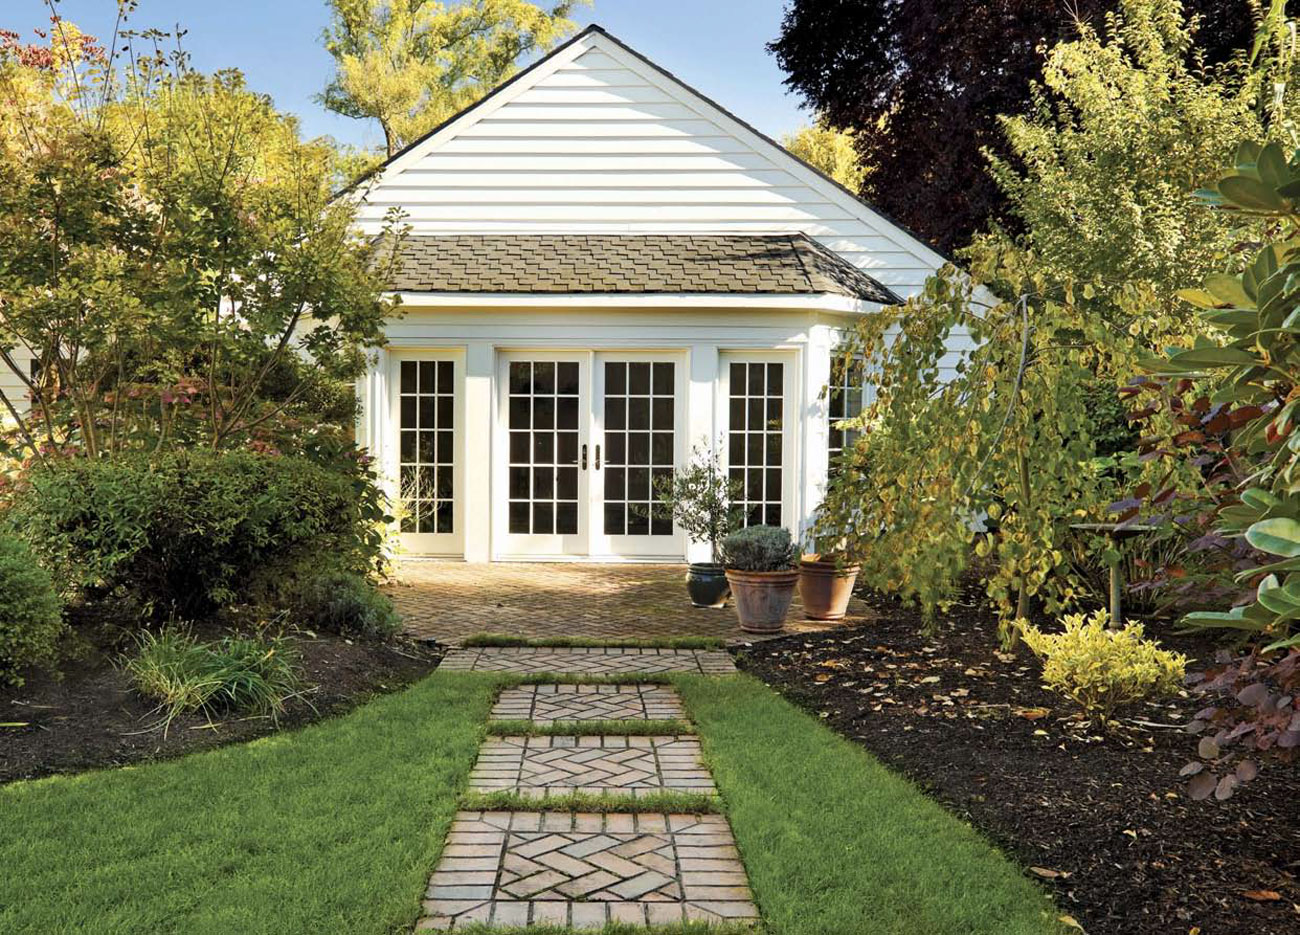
(597, 457)
(584, 457)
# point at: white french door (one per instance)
(545, 411)
(585, 438)
(428, 414)
(760, 450)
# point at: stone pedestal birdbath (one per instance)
(1117, 533)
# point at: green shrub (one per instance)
(189, 532)
(31, 613)
(346, 603)
(759, 548)
(1102, 670)
(232, 674)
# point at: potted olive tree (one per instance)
(700, 497)
(761, 569)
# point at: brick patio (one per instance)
(449, 601)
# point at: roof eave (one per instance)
(683, 301)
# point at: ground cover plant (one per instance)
(337, 827)
(1101, 818)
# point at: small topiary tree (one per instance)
(31, 613)
(701, 498)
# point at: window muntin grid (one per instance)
(543, 414)
(640, 445)
(846, 399)
(756, 439)
(426, 461)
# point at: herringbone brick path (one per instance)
(587, 870)
(599, 765)
(527, 660)
(544, 704)
(449, 601)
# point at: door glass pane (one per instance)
(754, 445)
(543, 416)
(640, 445)
(427, 455)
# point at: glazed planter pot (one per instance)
(762, 598)
(707, 584)
(825, 588)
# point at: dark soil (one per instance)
(1105, 823)
(88, 716)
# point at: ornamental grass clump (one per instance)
(229, 675)
(1103, 670)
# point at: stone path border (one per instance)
(526, 660)
(585, 870)
(544, 704)
(542, 766)
(508, 869)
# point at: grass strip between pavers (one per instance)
(576, 678)
(617, 928)
(621, 728)
(684, 803)
(834, 842)
(498, 640)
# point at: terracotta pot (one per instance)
(825, 589)
(762, 598)
(707, 584)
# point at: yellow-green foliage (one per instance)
(1101, 669)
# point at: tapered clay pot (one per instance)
(707, 584)
(825, 588)
(762, 598)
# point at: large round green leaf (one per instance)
(1277, 536)
(1250, 194)
(1227, 289)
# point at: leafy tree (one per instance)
(170, 255)
(1014, 433)
(411, 64)
(831, 151)
(923, 82)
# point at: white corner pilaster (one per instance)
(702, 431)
(816, 428)
(480, 360)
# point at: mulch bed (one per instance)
(90, 717)
(1105, 823)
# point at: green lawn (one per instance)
(834, 842)
(333, 830)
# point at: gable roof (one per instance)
(782, 264)
(595, 38)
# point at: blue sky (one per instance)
(715, 45)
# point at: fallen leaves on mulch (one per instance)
(1103, 821)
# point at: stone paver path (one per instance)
(544, 704)
(543, 766)
(586, 870)
(508, 869)
(449, 601)
(527, 660)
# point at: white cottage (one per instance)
(606, 271)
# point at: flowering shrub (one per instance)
(1102, 670)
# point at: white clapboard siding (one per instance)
(594, 139)
(14, 388)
